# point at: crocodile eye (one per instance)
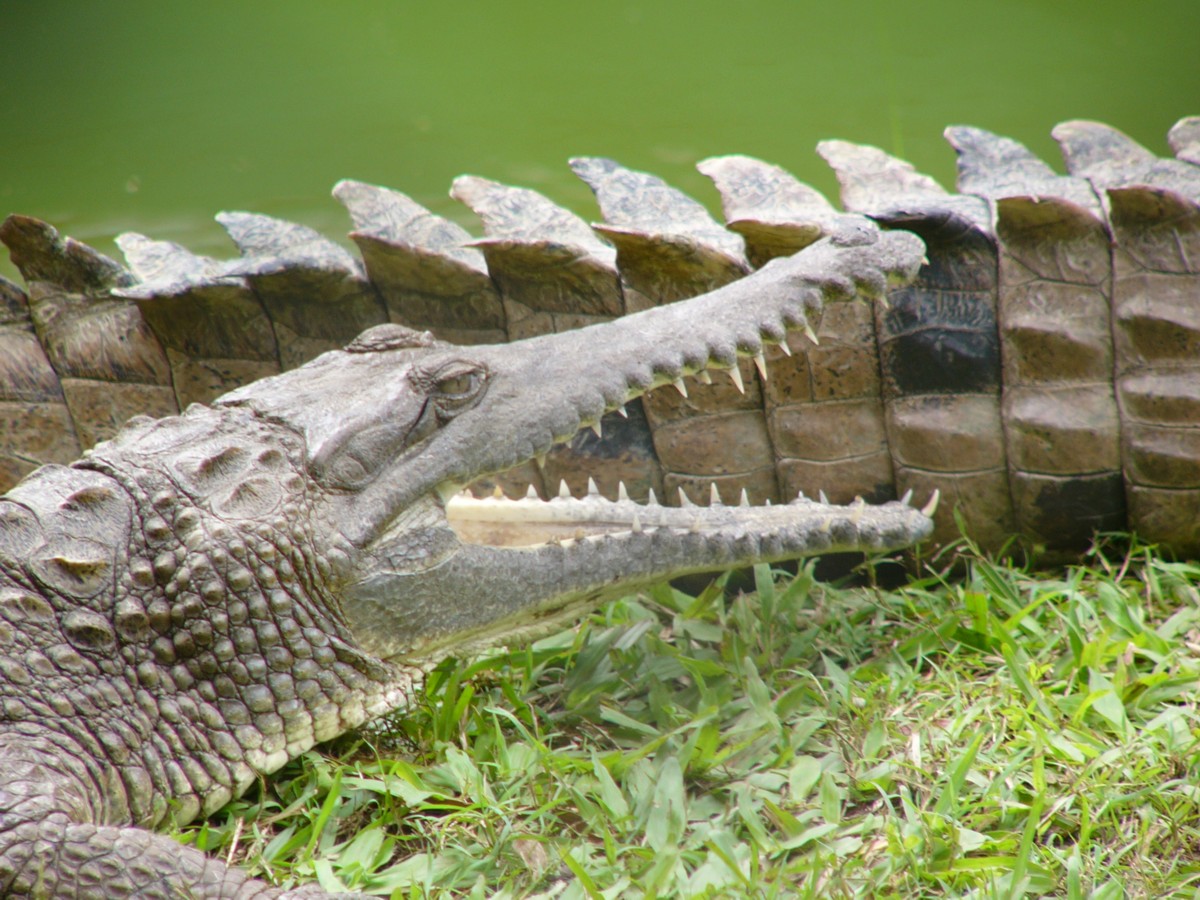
(457, 387)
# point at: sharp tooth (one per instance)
(622, 494)
(683, 498)
(636, 524)
(760, 362)
(744, 500)
(783, 345)
(907, 498)
(810, 334)
(596, 428)
(931, 507)
(821, 496)
(714, 495)
(703, 377)
(541, 460)
(651, 500)
(564, 491)
(859, 508)
(532, 493)
(695, 527)
(800, 495)
(736, 374)
(593, 491)
(885, 302)
(498, 494)
(623, 411)
(680, 386)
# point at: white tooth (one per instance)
(800, 495)
(760, 362)
(564, 491)
(821, 496)
(714, 496)
(907, 498)
(810, 334)
(858, 508)
(541, 460)
(703, 377)
(931, 507)
(532, 493)
(744, 500)
(623, 411)
(636, 524)
(498, 494)
(680, 386)
(783, 345)
(924, 260)
(885, 302)
(736, 374)
(695, 527)
(683, 498)
(593, 491)
(622, 494)
(651, 500)
(596, 428)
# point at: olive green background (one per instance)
(152, 116)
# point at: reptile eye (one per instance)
(458, 386)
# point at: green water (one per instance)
(152, 116)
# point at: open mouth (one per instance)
(497, 521)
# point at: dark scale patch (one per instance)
(960, 256)
(1071, 511)
(624, 453)
(622, 436)
(939, 342)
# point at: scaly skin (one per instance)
(1041, 371)
(207, 595)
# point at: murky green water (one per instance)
(152, 116)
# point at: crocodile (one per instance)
(206, 595)
(1041, 372)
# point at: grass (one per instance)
(995, 734)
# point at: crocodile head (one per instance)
(396, 424)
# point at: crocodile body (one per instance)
(206, 595)
(1041, 371)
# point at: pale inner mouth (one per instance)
(531, 522)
